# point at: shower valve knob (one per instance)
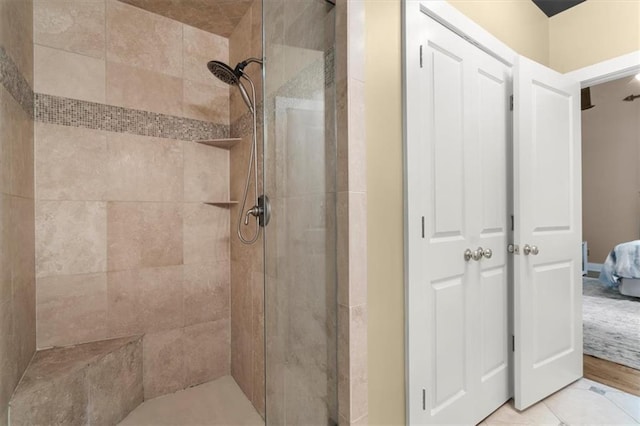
(255, 211)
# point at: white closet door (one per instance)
(548, 296)
(457, 187)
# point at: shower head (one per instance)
(223, 72)
(231, 76)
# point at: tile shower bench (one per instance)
(96, 383)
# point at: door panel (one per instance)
(547, 294)
(450, 338)
(552, 293)
(551, 155)
(493, 286)
(492, 134)
(459, 330)
(447, 143)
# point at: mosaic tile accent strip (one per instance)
(15, 83)
(243, 126)
(91, 115)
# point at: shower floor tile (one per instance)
(220, 402)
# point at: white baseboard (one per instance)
(594, 267)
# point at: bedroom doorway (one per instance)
(611, 219)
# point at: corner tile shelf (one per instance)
(227, 143)
(221, 203)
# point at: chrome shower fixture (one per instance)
(231, 76)
(261, 210)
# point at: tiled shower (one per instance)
(116, 223)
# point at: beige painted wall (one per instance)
(518, 24)
(610, 167)
(592, 32)
(383, 95)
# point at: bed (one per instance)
(621, 270)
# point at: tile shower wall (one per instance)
(17, 279)
(124, 243)
(247, 275)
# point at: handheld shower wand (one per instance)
(261, 210)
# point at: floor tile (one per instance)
(219, 402)
(539, 414)
(629, 403)
(580, 406)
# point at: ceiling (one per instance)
(553, 7)
(214, 16)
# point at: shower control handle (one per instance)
(254, 211)
(261, 211)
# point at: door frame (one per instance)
(608, 70)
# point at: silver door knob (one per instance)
(527, 249)
(477, 255)
(487, 253)
(468, 255)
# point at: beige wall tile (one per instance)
(143, 168)
(352, 248)
(22, 239)
(206, 102)
(206, 233)
(75, 26)
(206, 173)
(22, 152)
(142, 235)
(71, 309)
(70, 237)
(16, 148)
(352, 362)
(8, 363)
(71, 163)
(145, 300)
(206, 351)
(69, 75)
(124, 299)
(9, 130)
(358, 362)
(143, 40)
(201, 47)
(162, 298)
(16, 34)
(163, 363)
(356, 31)
(357, 137)
(258, 335)
(344, 366)
(147, 90)
(241, 326)
(5, 248)
(206, 292)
